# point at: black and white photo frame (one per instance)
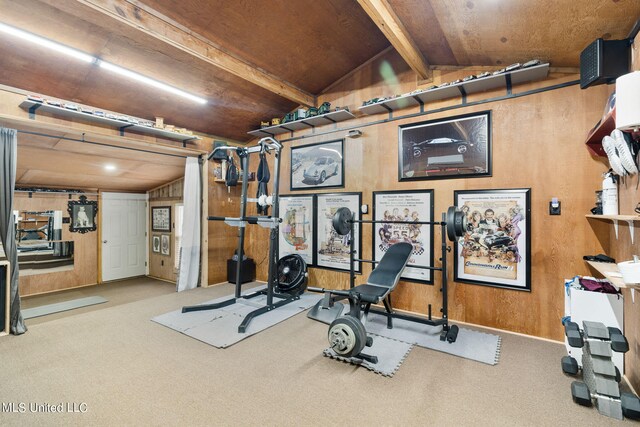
(83, 215)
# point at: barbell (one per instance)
(456, 222)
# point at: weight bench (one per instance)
(347, 334)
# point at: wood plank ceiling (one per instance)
(253, 60)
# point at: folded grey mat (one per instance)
(43, 310)
(391, 353)
(470, 344)
(219, 327)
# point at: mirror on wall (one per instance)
(39, 242)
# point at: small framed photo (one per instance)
(161, 218)
(83, 215)
(496, 248)
(454, 147)
(165, 245)
(318, 165)
(155, 245)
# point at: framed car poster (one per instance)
(453, 147)
(332, 250)
(318, 165)
(496, 248)
(408, 206)
(297, 226)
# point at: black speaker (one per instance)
(603, 61)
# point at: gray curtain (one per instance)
(8, 156)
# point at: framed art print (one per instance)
(83, 215)
(332, 249)
(453, 147)
(496, 248)
(161, 218)
(297, 226)
(318, 165)
(408, 206)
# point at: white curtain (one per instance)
(189, 273)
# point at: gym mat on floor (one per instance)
(43, 310)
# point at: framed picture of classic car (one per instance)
(318, 165)
(454, 147)
(496, 247)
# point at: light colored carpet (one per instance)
(129, 371)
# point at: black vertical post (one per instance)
(244, 157)
(443, 232)
(352, 251)
(273, 234)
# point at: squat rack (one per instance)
(265, 145)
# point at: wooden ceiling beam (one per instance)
(385, 18)
(154, 24)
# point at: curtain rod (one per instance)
(86, 141)
(55, 193)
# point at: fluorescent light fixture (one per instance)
(110, 167)
(46, 43)
(151, 82)
(92, 59)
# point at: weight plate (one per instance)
(341, 221)
(456, 223)
(347, 336)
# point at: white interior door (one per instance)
(124, 241)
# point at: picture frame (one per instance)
(332, 250)
(161, 218)
(83, 215)
(496, 249)
(319, 165)
(155, 244)
(297, 229)
(408, 205)
(165, 245)
(452, 147)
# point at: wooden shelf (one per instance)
(307, 123)
(483, 84)
(32, 107)
(603, 128)
(629, 219)
(611, 272)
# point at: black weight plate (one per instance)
(456, 223)
(341, 221)
(353, 332)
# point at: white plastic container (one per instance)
(609, 195)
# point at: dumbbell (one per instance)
(630, 406)
(569, 365)
(619, 342)
(574, 337)
(581, 394)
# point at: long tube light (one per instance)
(93, 60)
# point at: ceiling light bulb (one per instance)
(46, 43)
(110, 167)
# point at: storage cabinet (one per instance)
(596, 307)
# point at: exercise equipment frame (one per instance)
(332, 296)
(264, 145)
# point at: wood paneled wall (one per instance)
(85, 269)
(163, 266)
(538, 142)
(623, 250)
